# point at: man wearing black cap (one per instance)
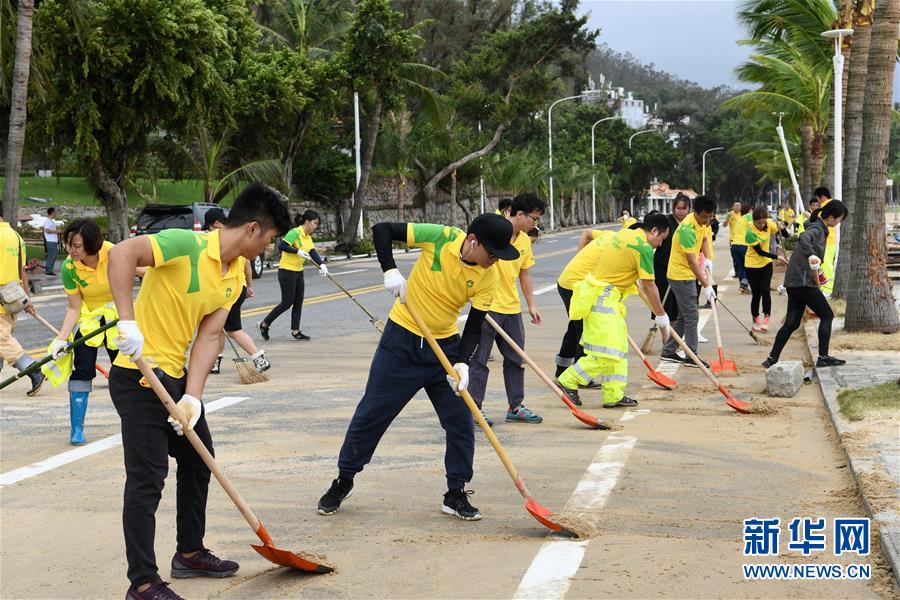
(453, 269)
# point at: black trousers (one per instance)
(798, 300)
(570, 346)
(148, 441)
(760, 284)
(84, 359)
(291, 283)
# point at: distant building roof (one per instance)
(661, 190)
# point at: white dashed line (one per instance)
(544, 290)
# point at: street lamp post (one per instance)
(634, 135)
(703, 183)
(357, 150)
(593, 165)
(550, 147)
(837, 35)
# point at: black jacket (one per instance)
(811, 242)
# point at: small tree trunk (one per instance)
(453, 217)
(18, 111)
(359, 196)
(856, 90)
(401, 197)
(806, 142)
(870, 305)
(112, 196)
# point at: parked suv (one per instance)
(156, 217)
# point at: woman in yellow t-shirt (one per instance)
(758, 265)
(296, 248)
(626, 219)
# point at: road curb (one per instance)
(888, 523)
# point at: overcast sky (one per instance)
(693, 39)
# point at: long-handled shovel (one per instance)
(377, 323)
(267, 550)
(721, 365)
(647, 344)
(663, 381)
(579, 414)
(738, 405)
(55, 331)
(542, 514)
(741, 323)
(36, 366)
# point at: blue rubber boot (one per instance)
(78, 402)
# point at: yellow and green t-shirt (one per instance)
(626, 223)
(787, 215)
(688, 239)
(300, 240)
(627, 257)
(92, 284)
(585, 261)
(184, 285)
(440, 283)
(756, 237)
(737, 228)
(831, 238)
(506, 299)
(12, 256)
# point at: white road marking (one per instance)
(349, 272)
(558, 560)
(550, 241)
(70, 456)
(544, 290)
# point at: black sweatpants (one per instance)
(83, 364)
(570, 348)
(148, 441)
(760, 284)
(291, 283)
(798, 300)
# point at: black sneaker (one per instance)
(673, 357)
(202, 564)
(572, 394)
(217, 366)
(158, 590)
(769, 362)
(592, 385)
(625, 402)
(263, 330)
(827, 361)
(689, 362)
(340, 490)
(300, 336)
(37, 380)
(456, 503)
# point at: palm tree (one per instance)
(18, 113)
(313, 28)
(511, 173)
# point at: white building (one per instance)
(632, 111)
(661, 196)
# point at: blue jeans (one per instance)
(738, 253)
(404, 364)
(52, 248)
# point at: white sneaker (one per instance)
(260, 361)
(701, 339)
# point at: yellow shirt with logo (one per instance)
(440, 283)
(585, 261)
(627, 257)
(787, 215)
(300, 240)
(761, 238)
(688, 239)
(92, 284)
(626, 223)
(737, 228)
(12, 247)
(830, 240)
(184, 285)
(506, 299)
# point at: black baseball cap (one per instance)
(213, 215)
(494, 232)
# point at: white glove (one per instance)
(462, 369)
(304, 254)
(710, 293)
(191, 409)
(662, 321)
(815, 262)
(130, 340)
(707, 265)
(323, 270)
(395, 283)
(58, 348)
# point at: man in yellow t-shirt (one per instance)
(599, 300)
(12, 268)
(506, 310)
(737, 222)
(193, 280)
(590, 248)
(690, 240)
(787, 217)
(454, 268)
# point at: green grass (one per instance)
(856, 403)
(76, 191)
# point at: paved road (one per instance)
(667, 493)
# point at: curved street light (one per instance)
(593, 165)
(637, 134)
(550, 146)
(703, 182)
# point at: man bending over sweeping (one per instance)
(194, 280)
(453, 269)
(600, 301)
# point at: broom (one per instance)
(245, 370)
(647, 344)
